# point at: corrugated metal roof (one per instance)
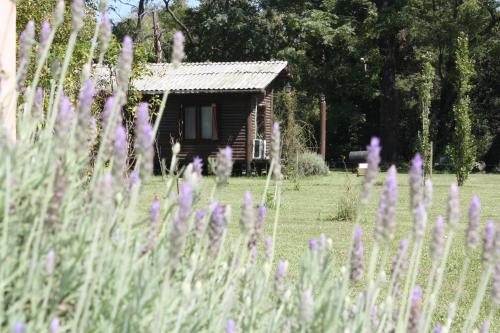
(205, 77)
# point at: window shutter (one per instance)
(215, 132)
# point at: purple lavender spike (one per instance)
(51, 259)
(198, 222)
(178, 49)
(64, 119)
(489, 243)
(306, 310)
(105, 31)
(55, 325)
(26, 42)
(385, 225)
(38, 104)
(453, 206)
(437, 329)
(19, 327)
(268, 247)
(420, 221)
(180, 223)
(275, 151)
(78, 11)
(313, 245)
(216, 229)
(154, 212)
(120, 153)
(198, 165)
(437, 244)
(247, 214)
(45, 34)
(357, 256)
(415, 310)
(373, 160)
(473, 237)
(224, 165)
(279, 279)
(230, 326)
(416, 182)
(124, 64)
(485, 326)
(144, 139)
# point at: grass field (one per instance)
(310, 205)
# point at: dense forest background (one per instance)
(366, 57)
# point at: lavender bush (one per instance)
(76, 256)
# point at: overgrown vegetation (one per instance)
(311, 164)
(76, 254)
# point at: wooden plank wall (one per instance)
(233, 111)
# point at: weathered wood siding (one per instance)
(233, 112)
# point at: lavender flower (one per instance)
(55, 325)
(357, 256)
(144, 139)
(268, 247)
(258, 225)
(384, 228)
(84, 133)
(453, 206)
(105, 191)
(178, 49)
(485, 327)
(230, 326)
(420, 221)
(110, 118)
(58, 15)
(192, 175)
(373, 160)
(198, 222)
(437, 244)
(415, 310)
(306, 311)
(38, 104)
(399, 265)
(26, 42)
(415, 182)
(51, 259)
(104, 32)
(60, 183)
(45, 32)
(275, 151)
(437, 329)
(19, 327)
(253, 254)
(64, 123)
(78, 11)
(124, 64)
(489, 243)
(120, 153)
(154, 224)
(495, 290)
(473, 236)
(247, 218)
(215, 229)
(134, 176)
(313, 245)
(279, 279)
(224, 165)
(198, 165)
(180, 223)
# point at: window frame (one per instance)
(198, 124)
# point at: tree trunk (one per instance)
(157, 38)
(390, 103)
(140, 15)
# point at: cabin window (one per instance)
(206, 122)
(200, 122)
(190, 122)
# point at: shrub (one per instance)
(311, 164)
(348, 203)
(77, 256)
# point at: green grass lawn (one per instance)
(310, 205)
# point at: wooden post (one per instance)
(322, 149)
(8, 95)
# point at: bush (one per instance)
(311, 164)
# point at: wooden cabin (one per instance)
(213, 105)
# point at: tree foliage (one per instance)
(462, 149)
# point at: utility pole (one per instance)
(322, 149)
(8, 96)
